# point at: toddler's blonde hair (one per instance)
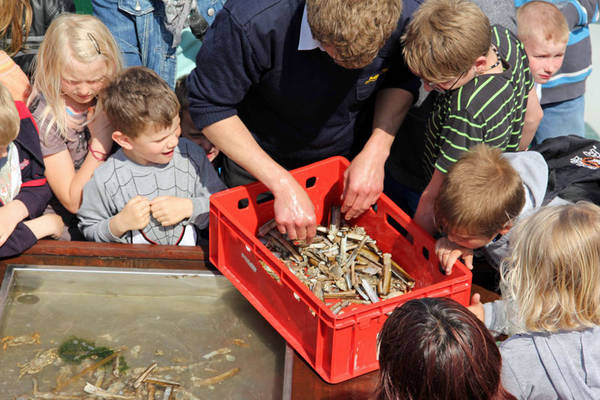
(10, 121)
(83, 37)
(553, 273)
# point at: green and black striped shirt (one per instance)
(489, 108)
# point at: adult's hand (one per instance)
(294, 211)
(363, 183)
(363, 180)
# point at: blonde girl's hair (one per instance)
(10, 121)
(15, 23)
(82, 37)
(553, 273)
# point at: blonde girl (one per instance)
(552, 278)
(77, 58)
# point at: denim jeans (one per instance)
(561, 119)
(137, 26)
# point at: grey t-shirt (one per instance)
(52, 142)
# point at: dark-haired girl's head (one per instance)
(437, 349)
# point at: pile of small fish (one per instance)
(341, 263)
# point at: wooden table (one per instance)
(306, 384)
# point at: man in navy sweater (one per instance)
(281, 83)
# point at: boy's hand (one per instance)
(476, 307)
(169, 210)
(135, 215)
(448, 252)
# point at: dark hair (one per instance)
(182, 93)
(437, 349)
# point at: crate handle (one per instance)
(395, 225)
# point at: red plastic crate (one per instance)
(342, 346)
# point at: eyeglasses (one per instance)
(438, 88)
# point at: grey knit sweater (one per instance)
(189, 174)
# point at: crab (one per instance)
(41, 361)
(11, 341)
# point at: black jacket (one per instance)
(573, 168)
(35, 192)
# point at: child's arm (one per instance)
(11, 214)
(99, 218)
(493, 314)
(424, 213)
(67, 183)
(533, 116)
(580, 13)
(448, 252)
(46, 225)
(26, 233)
(13, 77)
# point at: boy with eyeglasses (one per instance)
(486, 89)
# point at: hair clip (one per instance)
(94, 42)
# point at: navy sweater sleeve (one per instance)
(400, 75)
(217, 87)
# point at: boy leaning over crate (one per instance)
(482, 197)
(24, 192)
(486, 90)
(156, 188)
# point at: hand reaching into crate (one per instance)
(363, 183)
(294, 211)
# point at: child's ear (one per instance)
(122, 140)
(480, 64)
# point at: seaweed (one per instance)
(75, 350)
(123, 366)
